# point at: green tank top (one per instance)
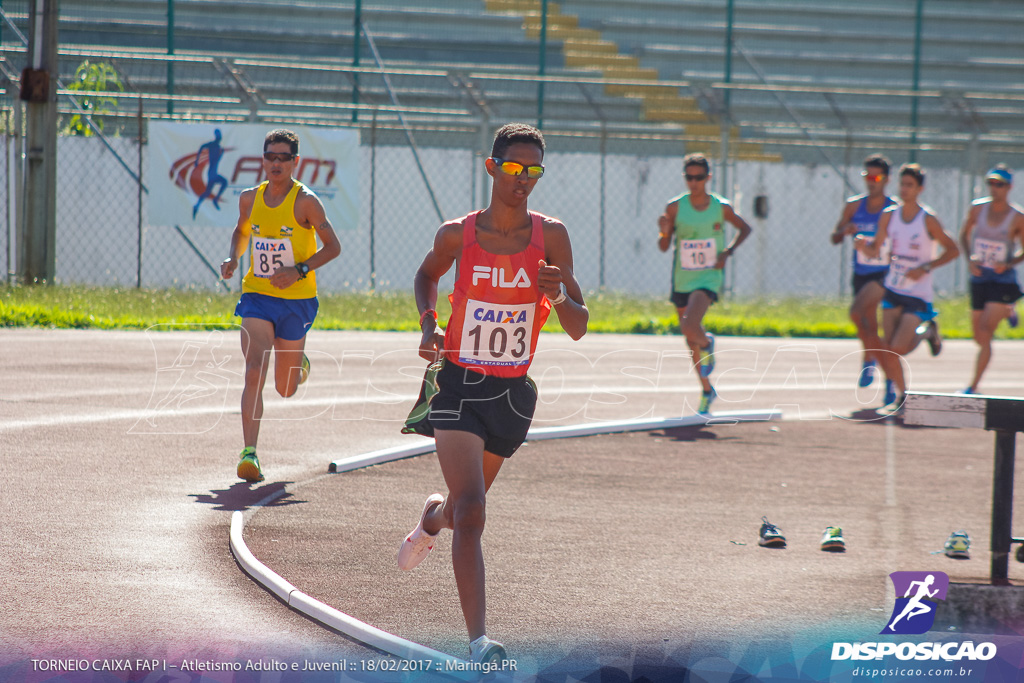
(699, 238)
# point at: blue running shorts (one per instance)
(291, 318)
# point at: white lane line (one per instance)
(136, 415)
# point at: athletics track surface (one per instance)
(119, 448)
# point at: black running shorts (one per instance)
(681, 299)
(497, 409)
(860, 280)
(1000, 292)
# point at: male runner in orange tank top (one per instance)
(281, 219)
(513, 266)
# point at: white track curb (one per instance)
(544, 433)
(390, 643)
(328, 616)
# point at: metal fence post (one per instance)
(373, 201)
(8, 223)
(357, 29)
(37, 254)
(170, 51)
(915, 86)
(138, 185)
(542, 62)
(603, 200)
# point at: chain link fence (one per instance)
(611, 168)
(609, 202)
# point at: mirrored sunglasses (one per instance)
(514, 168)
(873, 177)
(278, 156)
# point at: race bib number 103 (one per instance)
(497, 334)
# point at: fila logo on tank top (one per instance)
(497, 309)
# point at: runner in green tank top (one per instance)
(694, 222)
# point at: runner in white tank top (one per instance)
(907, 313)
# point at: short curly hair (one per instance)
(516, 133)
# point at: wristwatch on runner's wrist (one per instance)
(561, 296)
(303, 270)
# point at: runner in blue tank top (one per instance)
(860, 217)
(992, 233)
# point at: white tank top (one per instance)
(911, 247)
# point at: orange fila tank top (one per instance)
(497, 309)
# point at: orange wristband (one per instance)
(423, 316)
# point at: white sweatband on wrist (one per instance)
(561, 296)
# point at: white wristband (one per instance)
(561, 296)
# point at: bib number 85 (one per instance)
(270, 254)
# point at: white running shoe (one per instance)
(483, 650)
(418, 544)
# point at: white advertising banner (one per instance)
(196, 171)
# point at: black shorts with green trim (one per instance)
(497, 409)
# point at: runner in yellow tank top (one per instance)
(279, 222)
(697, 227)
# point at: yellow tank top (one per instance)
(278, 240)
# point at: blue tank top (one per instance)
(867, 224)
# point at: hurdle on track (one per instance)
(999, 414)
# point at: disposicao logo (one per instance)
(914, 612)
(917, 595)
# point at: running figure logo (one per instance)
(914, 612)
(214, 152)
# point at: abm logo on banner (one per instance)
(914, 612)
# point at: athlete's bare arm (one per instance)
(1017, 239)
(556, 271)
(734, 219)
(309, 213)
(240, 235)
(845, 226)
(870, 247)
(667, 226)
(437, 262)
(965, 239)
(949, 249)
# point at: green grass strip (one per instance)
(68, 307)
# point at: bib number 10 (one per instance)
(697, 254)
